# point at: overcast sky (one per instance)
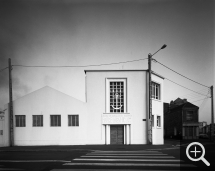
(64, 32)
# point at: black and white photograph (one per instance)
(100, 85)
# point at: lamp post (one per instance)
(150, 94)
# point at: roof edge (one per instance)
(113, 70)
(157, 75)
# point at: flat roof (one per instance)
(111, 70)
(123, 71)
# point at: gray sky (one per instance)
(63, 32)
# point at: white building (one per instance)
(115, 112)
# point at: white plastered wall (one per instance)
(157, 110)
(46, 102)
(136, 104)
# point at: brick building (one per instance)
(181, 119)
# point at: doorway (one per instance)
(117, 134)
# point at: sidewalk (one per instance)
(168, 144)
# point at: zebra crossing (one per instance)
(131, 159)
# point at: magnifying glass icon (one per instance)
(196, 151)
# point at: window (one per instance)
(37, 120)
(73, 120)
(20, 120)
(55, 120)
(117, 97)
(155, 91)
(152, 120)
(1, 132)
(189, 115)
(158, 121)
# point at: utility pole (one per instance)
(10, 103)
(150, 139)
(212, 114)
(150, 100)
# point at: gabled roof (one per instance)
(46, 89)
(185, 105)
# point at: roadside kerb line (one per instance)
(105, 170)
(131, 160)
(143, 157)
(122, 152)
(8, 161)
(132, 154)
(172, 148)
(130, 164)
(10, 169)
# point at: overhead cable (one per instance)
(181, 74)
(200, 100)
(79, 66)
(186, 88)
(3, 69)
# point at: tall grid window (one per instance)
(73, 120)
(55, 120)
(37, 120)
(156, 91)
(20, 120)
(117, 97)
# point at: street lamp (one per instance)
(150, 93)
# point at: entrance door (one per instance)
(117, 134)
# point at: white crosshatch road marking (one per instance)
(126, 152)
(128, 158)
(132, 160)
(131, 164)
(131, 154)
(142, 157)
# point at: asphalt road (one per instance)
(87, 158)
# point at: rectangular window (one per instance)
(189, 115)
(155, 91)
(117, 98)
(37, 120)
(55, 120)
(1, 132)
(73, 120)
(158, 121)
(20, 120)
(152, 120)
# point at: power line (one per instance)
(204, 101)
(186, 87)
(3, 69)
(200, 100)
(192, 95)
(74, 66)
(181, 74)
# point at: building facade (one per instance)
(181, 120)
(115, 112)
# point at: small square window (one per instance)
(158, 121)
(55, 120)
(37, 120)
(20, 120)
(73, 120)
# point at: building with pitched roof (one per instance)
(115, 112)
(181, 119)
